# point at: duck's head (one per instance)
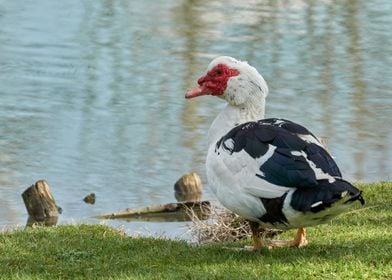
(235, 81)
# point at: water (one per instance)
(92, 92)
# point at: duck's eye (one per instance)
(219, 71)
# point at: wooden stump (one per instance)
(90, 199)
(188, 188)
(51, 221)
(40, 204)
(183, 197)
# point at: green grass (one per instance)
(355, 246)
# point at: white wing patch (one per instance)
(316, 204)
(229, 143)
(261, 160)
(279, 122)
(320, 174)
(296, 153)
(310, 139)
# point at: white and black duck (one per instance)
(273, 172)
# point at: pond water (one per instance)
(92, 92)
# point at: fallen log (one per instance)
(177, 211)
(40, 204)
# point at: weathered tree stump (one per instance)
(188, 187)
(40, 204)
(51, 221)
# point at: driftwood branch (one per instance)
(162, 212)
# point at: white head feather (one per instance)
(247, 86)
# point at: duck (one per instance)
(273, 172)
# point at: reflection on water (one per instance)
(91, 92)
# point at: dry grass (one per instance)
(221, 226)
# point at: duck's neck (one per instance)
(232, 116)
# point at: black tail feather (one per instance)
(324, 195)
(357, 196)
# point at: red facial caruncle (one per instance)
(214, 82)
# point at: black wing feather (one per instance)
(289, 165)
(283, 168)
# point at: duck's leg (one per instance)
(298, 241)
(256, 239)
(258, 243)
(300, 238)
